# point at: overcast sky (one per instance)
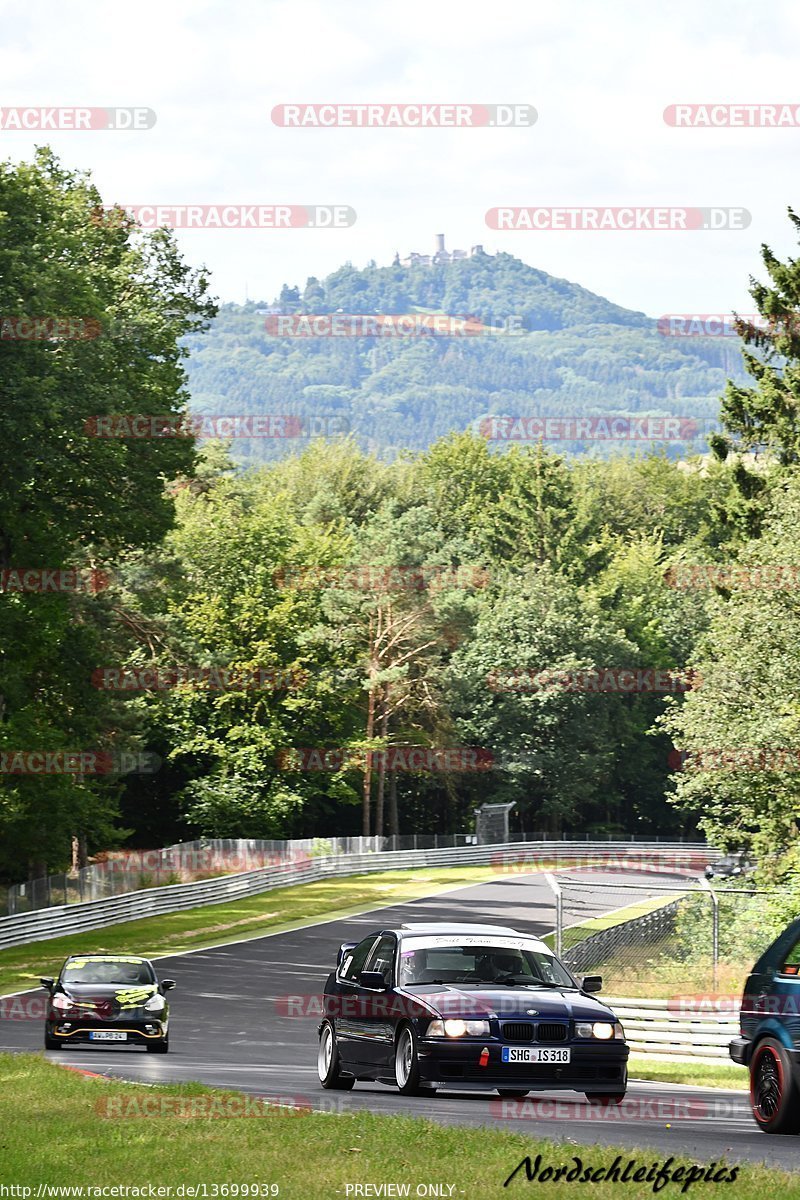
(599, 74)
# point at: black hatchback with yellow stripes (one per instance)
(465, 1007)
(107, 999)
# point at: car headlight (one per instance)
(603, 1030)
(61, 1003)
(155, 1004)
(455, 1028)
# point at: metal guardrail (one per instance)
(123, 871)
(45, 923)
(652, 1028)
(637, 931)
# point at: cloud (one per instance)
(599, 76)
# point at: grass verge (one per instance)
(665, 1069)
(55, 1131)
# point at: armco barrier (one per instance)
(651, 1028)
(509, 858)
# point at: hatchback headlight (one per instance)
(155, 1004)
(455, 1028)
(603, 1030)
(61, 1003)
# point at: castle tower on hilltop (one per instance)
(440, 255)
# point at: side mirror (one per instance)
(344, 950)
(47, 984)
(373, 980)
(591, 983)
(167, 984)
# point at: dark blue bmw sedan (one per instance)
(466, 1007)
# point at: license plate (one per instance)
(535, 1054)
(107, 1035)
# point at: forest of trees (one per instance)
(271, 641)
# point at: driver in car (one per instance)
(497, 963)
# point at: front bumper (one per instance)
(77, 1030)
(739, 1049)
(592, 1068)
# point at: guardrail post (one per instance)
(714, 932)
(556, 890)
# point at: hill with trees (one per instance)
(549, 348)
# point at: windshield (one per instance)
(111, 971)
(481, 965)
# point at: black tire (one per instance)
(328, 1068)
(51, 1043)
(513, 1093)
(159, 1047)
(774, 1096)
(406, 1065)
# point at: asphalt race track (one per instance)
(229, 1028)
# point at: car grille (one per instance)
(551, 1032)
(526, 1031)
(518, 1031)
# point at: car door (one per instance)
(348, 1003)
(785, 991)
(378, 1016)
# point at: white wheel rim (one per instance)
(405, 1050)
(325, 1054)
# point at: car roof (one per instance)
(105, 956)
(445, 927)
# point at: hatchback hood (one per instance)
(108, 999)
(84, 991)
